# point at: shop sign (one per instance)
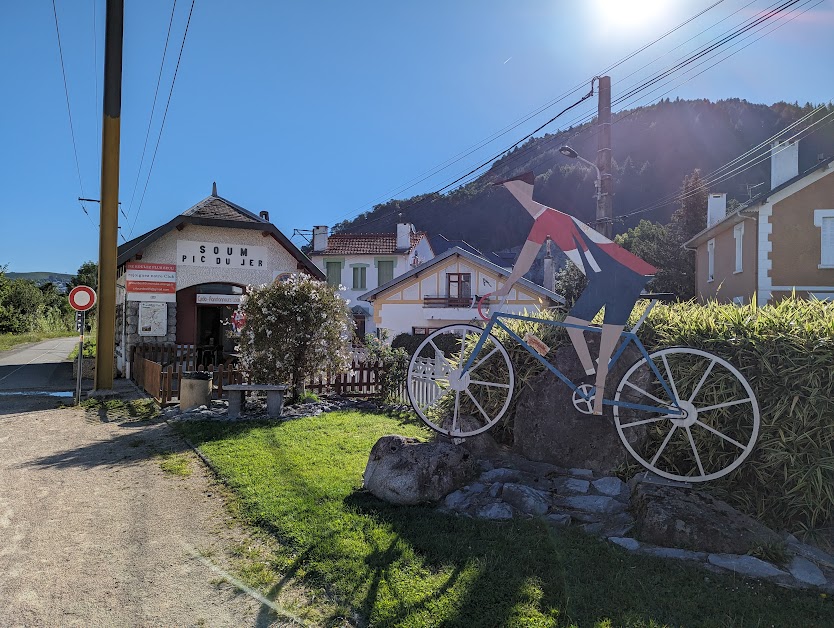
(151, 282)
(216, 254)
(153, 319)
(218, 299)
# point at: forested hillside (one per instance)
(654, 148)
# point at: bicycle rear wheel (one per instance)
(719, 424)
(452, 402)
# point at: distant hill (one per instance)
(653, 149)
(59, 279)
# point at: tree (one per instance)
(663, 246)
(570, 283)
(87, 275)
(293, 330)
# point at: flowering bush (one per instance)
(293, 330)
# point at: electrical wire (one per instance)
(69, 113)
(153, 109)
(513, 125)
(713, 45)
(164, 117)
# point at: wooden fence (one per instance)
(158, 369)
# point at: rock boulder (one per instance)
(693, 520)
(405, 471)
(548, 428)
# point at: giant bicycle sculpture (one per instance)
(684, 414)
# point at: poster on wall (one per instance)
(153, 318)
(151, 282)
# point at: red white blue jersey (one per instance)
(568, 234)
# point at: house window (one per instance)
(359, 277)
(738, 234)
(333, 270)
(711, 260)
(385, 270)
(824, 219)
(422, 331)
(459, 285)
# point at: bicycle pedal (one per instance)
(537, 343)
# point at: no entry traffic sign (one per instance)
(82, 298)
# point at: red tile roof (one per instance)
(367, 244)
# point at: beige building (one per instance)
(445, 290)
(780, 242)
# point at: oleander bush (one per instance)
(786, 352)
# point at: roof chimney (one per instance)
(319, 238)
(214, 188)
(264, 215)
(404, 230)
(716, 208)
(784, 162)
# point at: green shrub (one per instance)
(392, 375)
(786, 353)
(307, 397)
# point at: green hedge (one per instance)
(786, 352)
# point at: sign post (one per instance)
(81, 299)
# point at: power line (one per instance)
(587, 117)
(703, 51)
(500, 133)
(710, 181)
(69, 111)
(164, 117)
(153, 108)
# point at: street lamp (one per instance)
(567, 151)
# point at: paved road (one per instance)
(42, 366)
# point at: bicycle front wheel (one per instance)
(456, 402)
(707, 417)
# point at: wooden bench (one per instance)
(274, 398)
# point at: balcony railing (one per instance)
(447, 301)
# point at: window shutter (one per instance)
(827, 258)
(386, 272)
(710, 260)
(334, 274)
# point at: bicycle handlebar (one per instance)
(481, 303)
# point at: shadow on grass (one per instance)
(500, 576)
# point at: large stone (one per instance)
(496, 512)
(807, 572)
(528, 500)
(746, 565)
(405, 471)
(613, 487)
(690, 519)
(595, 504)
(547, 426)
(480, 445)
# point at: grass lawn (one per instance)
(10, 341)
(301, 480)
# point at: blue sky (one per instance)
(316, 110)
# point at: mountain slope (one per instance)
(653, 149)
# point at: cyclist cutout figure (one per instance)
(616, 277)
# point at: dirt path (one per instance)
(94, 533)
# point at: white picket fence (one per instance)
(423, 387)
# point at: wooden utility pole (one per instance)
(604, 205)
(109, 217)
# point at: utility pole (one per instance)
(109, 217)
(604, 195)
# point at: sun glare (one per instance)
(629, 13)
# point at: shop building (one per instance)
(182, 282)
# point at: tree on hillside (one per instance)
(662, 246)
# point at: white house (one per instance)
(445, 290)
(363, 261)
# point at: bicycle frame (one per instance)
(630, 336)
